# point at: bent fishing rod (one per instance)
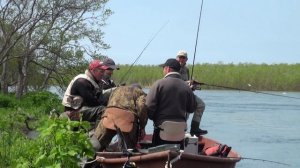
(199, 21)
(240, 89)
(121, 81)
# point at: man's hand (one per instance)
(192, 84)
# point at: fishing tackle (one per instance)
(233, 88)
(196, 40)
(121, 81)
(263, 160)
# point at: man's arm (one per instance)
(151, 101)
(142, 110)
(84, 88)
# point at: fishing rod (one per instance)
(121, 81)
(197, 39)
(233, 88)
(263, 160)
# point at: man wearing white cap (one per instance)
(184, 71)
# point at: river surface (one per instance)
(257, 126)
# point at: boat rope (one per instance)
(97, 157)
(170, 163)
(263, 160)
(233, 88)
(196, 39)
(121, 81)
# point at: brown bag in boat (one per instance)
(123, 119)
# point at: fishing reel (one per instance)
(129, 164)
(194, 85)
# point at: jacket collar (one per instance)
(173, 74)
(89, 74)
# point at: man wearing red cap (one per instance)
(84, 95)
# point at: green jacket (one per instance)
(132, 99)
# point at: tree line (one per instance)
(41, 45)
(41, 41)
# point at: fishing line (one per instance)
(232, 88)
(263, 160)
(121, 81)
(197, 39)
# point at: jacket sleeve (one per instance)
(142, 110)
(152, 101)
(84, 88)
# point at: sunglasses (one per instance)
(100, 70)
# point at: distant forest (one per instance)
(263, 77)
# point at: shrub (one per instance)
(7, 101)
(46, 101)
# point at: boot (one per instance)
(195, 130)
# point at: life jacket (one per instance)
(220, 150)
(75, 101)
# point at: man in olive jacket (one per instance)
(124, 99)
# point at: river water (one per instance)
(257, 126)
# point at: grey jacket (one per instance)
(169, 99)
(185, 73)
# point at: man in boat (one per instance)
(126, 111)
(184, 71)
(168, 101)
(106, 81)
(83, 97)
(107, 84)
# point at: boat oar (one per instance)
(240, 89)
(121, 81)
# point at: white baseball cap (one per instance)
(182, 53)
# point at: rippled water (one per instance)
(257, 126)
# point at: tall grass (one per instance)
(264, 77)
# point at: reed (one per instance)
(263, 77)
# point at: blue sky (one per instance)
(231, 31)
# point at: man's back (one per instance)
(174, 99)
(130, 98)
(168, 101)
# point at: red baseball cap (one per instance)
(97, 64)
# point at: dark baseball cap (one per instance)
(110, 63)
(172, 63)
